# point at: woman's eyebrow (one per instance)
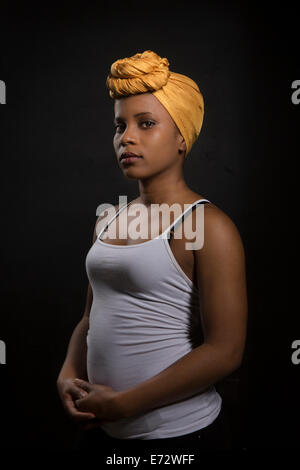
(119, 118)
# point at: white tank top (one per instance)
(140, 318)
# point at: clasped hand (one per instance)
(101, 400)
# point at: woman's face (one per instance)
(143, 126)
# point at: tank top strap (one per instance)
(178, 220)
(118, 211)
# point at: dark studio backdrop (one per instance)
(58, 165)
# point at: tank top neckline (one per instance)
(162, 236)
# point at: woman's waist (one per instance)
(175, 419)
(126, 365)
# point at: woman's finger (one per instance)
(82, 405)
(83, 384)
(77, 392)
(75, 413)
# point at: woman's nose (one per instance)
(128, 135)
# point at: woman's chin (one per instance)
(134, 173)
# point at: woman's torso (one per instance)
(144, 309)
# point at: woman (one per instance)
(132, 373)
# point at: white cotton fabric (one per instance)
(139, 319)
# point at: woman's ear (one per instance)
(182, 145)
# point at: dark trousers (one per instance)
(216, 436)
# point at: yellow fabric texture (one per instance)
(148, 72)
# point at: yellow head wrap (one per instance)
(179, 94)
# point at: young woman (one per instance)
(133, 372)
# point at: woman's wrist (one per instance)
(129, 404)
(69, 372)
(124, 403)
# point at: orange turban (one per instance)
(179, 94)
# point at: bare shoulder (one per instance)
(220, 262)
(220, 232)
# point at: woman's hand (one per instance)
(101, 400)
(69, 392)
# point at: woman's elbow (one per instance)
(235, 359)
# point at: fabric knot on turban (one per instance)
(148, 72)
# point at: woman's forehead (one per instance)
(140, 103)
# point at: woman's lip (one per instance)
(129, 154)
(130, 159)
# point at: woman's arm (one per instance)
(75, 361)
(221, 277)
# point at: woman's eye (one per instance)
(148, 122)
(116, 126)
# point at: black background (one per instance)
(58, 165)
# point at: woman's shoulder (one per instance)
(210, 206)
(218, 225)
